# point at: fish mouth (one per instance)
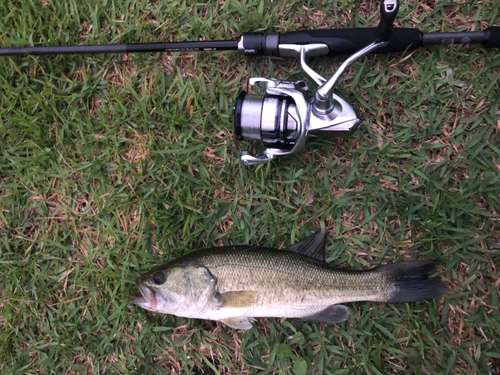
(147, 299)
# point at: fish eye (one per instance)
(159, 278)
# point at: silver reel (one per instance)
(286, 116)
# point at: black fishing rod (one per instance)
(287, 114)
(339, 42)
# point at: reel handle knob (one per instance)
(388, 12)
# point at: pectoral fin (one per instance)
(332, 314)
(239, 299)
(239, 322)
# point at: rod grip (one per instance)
(493, 37)
(349, 41)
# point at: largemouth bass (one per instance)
(236, 284)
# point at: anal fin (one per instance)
(332, 314)
(239, 322)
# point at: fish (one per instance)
(237, 284)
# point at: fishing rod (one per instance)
(287, 115)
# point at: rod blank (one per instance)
(217, 45)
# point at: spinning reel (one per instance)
(287, 114)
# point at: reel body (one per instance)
(284, 118)
(287, 114)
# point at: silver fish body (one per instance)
(236, 284)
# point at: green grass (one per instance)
(112, 164)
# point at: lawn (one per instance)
(111, 164)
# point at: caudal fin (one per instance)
(412, 281)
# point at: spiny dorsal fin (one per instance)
(238, 299)
(312, 246)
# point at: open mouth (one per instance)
(147, 300)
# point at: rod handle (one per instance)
(349, 41)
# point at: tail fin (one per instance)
(411, 282)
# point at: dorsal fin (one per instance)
(312, 246)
